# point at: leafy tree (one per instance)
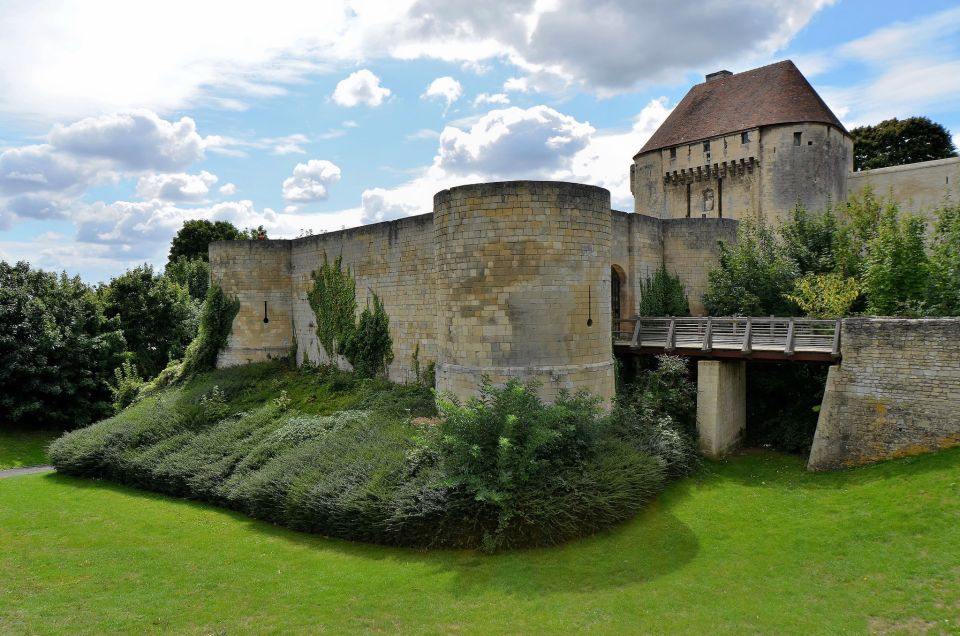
(58, 350)
(193, 274)
(944, 290)
(216, 321)
(896, 276)
(156, 315)
(753, 275)
(663, 295)
(825, 295)
(810, 240)
(894, 142)
(860, 217)
(370, 349)
(192, 239)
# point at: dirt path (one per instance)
(16, 472)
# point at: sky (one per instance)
(121, 119)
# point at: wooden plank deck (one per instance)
(801, 339)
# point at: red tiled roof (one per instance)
(765, 96)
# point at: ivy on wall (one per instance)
(216, 321)
(366, 344)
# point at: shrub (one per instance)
(825, 295)
(128, 387)
(657, 415)
(897, 269)
(216, 321)
(503, 470)
(663, 295)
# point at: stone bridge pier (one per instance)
(721, 405)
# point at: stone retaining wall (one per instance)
(896, 392)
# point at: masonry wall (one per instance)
(896, 392)
(523, 280)
(812, 173)
(691, 248)
(919, 187)
(255, 272)
(395, 260)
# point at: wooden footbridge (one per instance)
(799, 339)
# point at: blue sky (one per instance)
(120, 119)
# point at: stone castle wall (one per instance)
(761, 172)
(394, 260)
(501, 279)
(255, 272)
(896, 393)
(919, 187)
(691, 249)
(523, 279)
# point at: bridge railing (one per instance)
(746, 335)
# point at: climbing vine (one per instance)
(366, 343)
(334, 301)
(216, 320)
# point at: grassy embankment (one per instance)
(755, 545)
(19, 449)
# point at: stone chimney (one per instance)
(718, 75)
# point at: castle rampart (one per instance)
(523, 280)
(918, 187)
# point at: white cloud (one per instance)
(423, 133)
(605, 161)
(41, 168)
(535, 143)
(310, 181)
(913, 69)
(360, 87)
(500, 99)
(137, 140)
(228, 189)
(446, 88)
(176, 187)
(532, 142)
(516, 85)
(74, 58)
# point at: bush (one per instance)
(216, 321)
(503, 470)
(128, 387)
(663, 295)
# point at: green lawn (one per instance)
(24, 448)
(756, 545)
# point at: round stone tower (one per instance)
(523, 286)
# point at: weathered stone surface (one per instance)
(896, 392)
(918, 187)
(523, 286)
(721, 405)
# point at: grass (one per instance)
(756, 545)
(24, 448)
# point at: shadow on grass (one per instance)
(651, 545)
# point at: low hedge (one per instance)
(501, 471)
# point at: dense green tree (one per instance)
(192, 239)
(944, 289)
(157, 316)
(192, 274)
(894, 142)
(896, 278)
(753, 275)
(58, 350)
(810, 240)
(663, 295)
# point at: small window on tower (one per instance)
(796, 138)
(673, 153)
(706, 146)
(745, 137)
